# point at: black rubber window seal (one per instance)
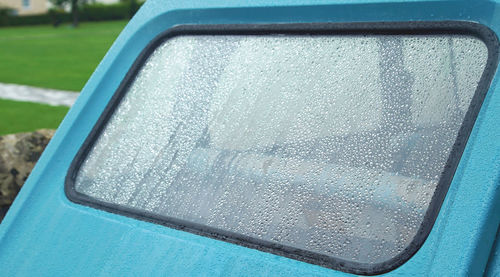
(365, 28)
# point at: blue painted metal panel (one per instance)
(493, 267)
(47, 235)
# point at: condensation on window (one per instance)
(330, 144)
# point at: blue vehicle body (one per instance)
(46, 234)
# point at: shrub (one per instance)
(58, 16)
(100, 12)
(4, 14)
(26, 20)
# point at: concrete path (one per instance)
(39, 95)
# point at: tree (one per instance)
(74, 12)
(73, 4)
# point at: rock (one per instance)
(18, 155)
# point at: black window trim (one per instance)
(359, 28)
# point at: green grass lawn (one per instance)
(26, 117)
(59, 58)
(44, 56)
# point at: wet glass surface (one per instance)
(331, 144)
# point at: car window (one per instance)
(332, 145)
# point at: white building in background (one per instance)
(32, 7)
(26, 7)
(105, 1)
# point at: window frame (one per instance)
(26, 7)
(486, 35)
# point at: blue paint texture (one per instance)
(493, 267)
(45, 234)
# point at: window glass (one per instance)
(328, 144)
